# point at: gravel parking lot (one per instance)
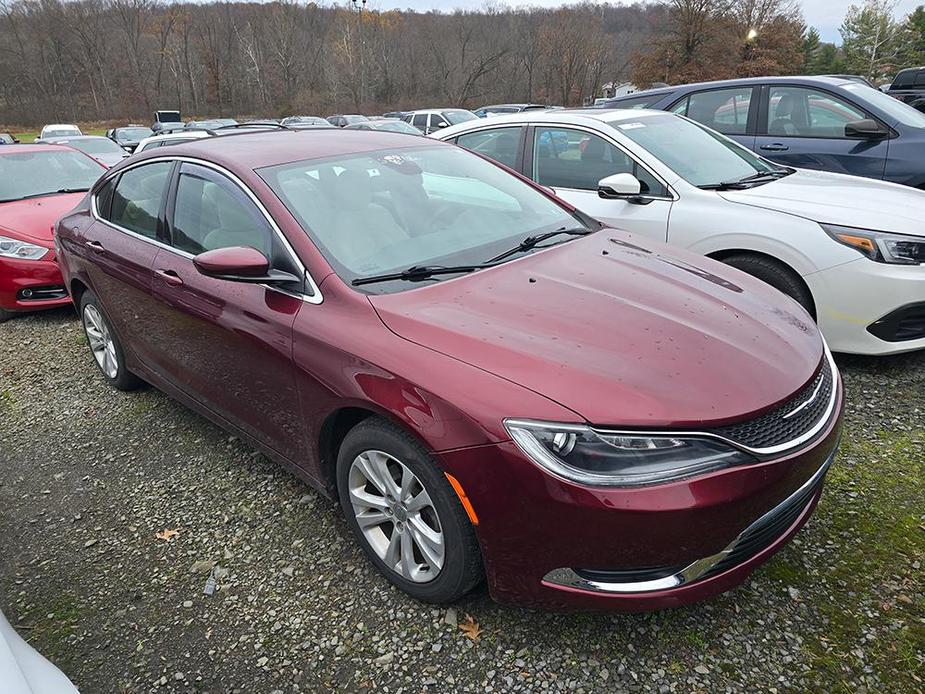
(114, 509)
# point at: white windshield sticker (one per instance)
(631, 126)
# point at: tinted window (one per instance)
(501, 144)
(920, 79)
(635, 102)
(104, 198)
(137, 198)
(212, 212)
(437, 121)
(564, 158)
(420, 120)
(904, 79)
(725, 110)
(804, 112)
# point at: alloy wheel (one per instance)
(101, 342)
(396, 516)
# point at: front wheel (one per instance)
(104, 344)
(778, 275)
(405, 514)
(5, 315)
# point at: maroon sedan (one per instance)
(38, 184)
(492, 384)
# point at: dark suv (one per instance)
(909, 86)
(826, 123)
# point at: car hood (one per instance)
(831, 198)
(621, 331)
(32, 220)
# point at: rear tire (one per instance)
(778, 275)
(409, 511)
(105, 345)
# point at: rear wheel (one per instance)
(406, 516)
(104, 344)
(775, 273)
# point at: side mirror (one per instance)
(621, 186)
(442, 124)
(239, 264)
(867, 128)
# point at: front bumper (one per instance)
(551, 543)
(31, 285)
(857, 301)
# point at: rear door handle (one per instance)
(95, 246)
(170, 277)
(774, 147)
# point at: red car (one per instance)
(38, 184)
(492, 384)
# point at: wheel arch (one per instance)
(723, 255)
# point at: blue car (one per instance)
(827, 123)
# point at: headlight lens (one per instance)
(581, 454)
(896, 249)
(13, 248)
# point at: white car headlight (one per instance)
(616, 459)
(14, 248)
(881, 246)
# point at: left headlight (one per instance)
(14, 248)
(581, 454)
(883, 247)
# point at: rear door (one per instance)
(805, 127)
(733, 111)
(503, 144)
(572, 160)
(228, 344)
(121, 245)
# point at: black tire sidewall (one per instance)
(125, 379)
(779, 277)
(462, 560)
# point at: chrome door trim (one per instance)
(314, 298)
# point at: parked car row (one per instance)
(421, 326)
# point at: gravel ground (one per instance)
(92, 476)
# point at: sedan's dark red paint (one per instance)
(607, 329)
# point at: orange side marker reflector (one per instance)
(461, 493)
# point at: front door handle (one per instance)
(95, 246)
(774, 147)
(170, 277)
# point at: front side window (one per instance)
(386, 211)
(35, 174)
(457, 116)
(212, 212)
(136, 200)
(566, 158)
(804, 112)
(895, 110)
(725, 110)
(501, 144)
(700, 156)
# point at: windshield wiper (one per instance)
(534, 241)
(416, 273)
(49, 192)
(755, 178)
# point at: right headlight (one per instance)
(14, 248)
(581, 454)
(880, 246)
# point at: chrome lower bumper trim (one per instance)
(569, 578)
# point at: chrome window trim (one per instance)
(569, 578)
(314, 298)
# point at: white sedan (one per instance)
(24, 671)
(850, 250)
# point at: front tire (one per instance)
(104, 344)
(405, 514)
(5, 315)
(778, 275)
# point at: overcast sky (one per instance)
(825, 15)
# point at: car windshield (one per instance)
(97, 145)
(459, 116)
(894, 108)
(396, 126)
(698, 155)
(60, 132)
(27, 174)
(386, 211)
(133, 134)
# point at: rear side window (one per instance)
(724, 110)
(104, 198)
(904, 79)
(137, 198)
(635, 102)
(212, 212)
(501, 144)
(920, 78)
(420, 120)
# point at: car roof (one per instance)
(577, 116)
(70, 138)
(257, 149)
(60, 125)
